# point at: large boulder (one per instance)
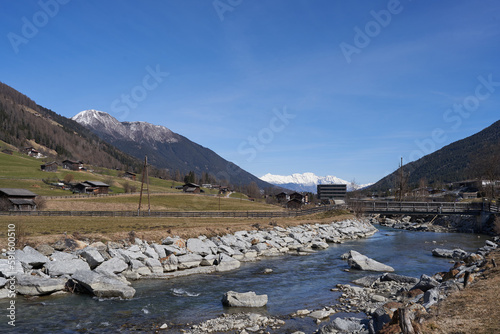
(35, 285)
(246, 299)
(7, 269)
(450, 253)
(112, 266)
(92, 256)
(31, 257)
(69, 267)
(225, 262)
(169, 263)
(425, 283)
(189, 261)
(359, 261)
(198, 246)
(154, 265)
(102, 285)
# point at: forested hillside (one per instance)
(22, 121)
(477, 156)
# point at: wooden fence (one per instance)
(175, 214)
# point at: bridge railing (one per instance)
(416, 207)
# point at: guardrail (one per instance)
(174, 214)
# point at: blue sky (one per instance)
(342, 88)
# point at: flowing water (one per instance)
(297, 282)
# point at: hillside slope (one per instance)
(477, 156)
(164, 148)
(23, 123)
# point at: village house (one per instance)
(91, 187)
(192, 188)
(72, 165)
(34, 153)
(294, 204)
(13, 199)
(282, 197)
(49, 167)
(129, 175)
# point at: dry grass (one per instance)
(49, 229)
(473, 310)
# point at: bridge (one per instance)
(431, 208)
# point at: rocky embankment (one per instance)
(105, 270)
(436, 223)
(391, 301)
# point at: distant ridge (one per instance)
(306, 182)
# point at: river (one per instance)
(297, 282)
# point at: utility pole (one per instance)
(144, 175)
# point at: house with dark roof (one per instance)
(72, 165)
(49, 167)
(91, 187)
(129, 175)
(14, 199)
(192, 188)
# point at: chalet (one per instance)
(469, 195)
(282, 197)
(91, 187)
(192, 188)
(17, 199)
(297, 196)
(72, 165)
(49, 167)
(129, 175)
(294, 203)
(34, 153)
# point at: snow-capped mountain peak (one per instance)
(109, 126)
(306, 181)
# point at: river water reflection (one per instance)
(297, 282)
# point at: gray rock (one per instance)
(154, 265)
(226, 263)
(92, 256)
(450, 253)
(320, 314)
(426, 283)
(366, 281)
(226, 249)
(140, 268)
(170, 263)
(491, 244)
(6, 270)
(246, 299)
(102, 285)
(63, 256)
(361, 262)
(112, 266)
(388, 277)
(344, 325)
(198, 246)
(208, 260)
(31, 257)
(160, 250)
(69, 267)
(150, 252)
(431, 297)
(45, 249)
(35, 285)
(3, 281)
(189, 261)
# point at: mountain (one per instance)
(474, 157)
(164, 148)
(306, 181)
(24, 123)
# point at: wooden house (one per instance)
(91, 187)
(282, 197)
(14, 199)
(192, 188)
(129, 175)
(294, 204)
(297, 196)
(49, 167)
(72, 165)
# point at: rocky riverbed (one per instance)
(105, 270)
